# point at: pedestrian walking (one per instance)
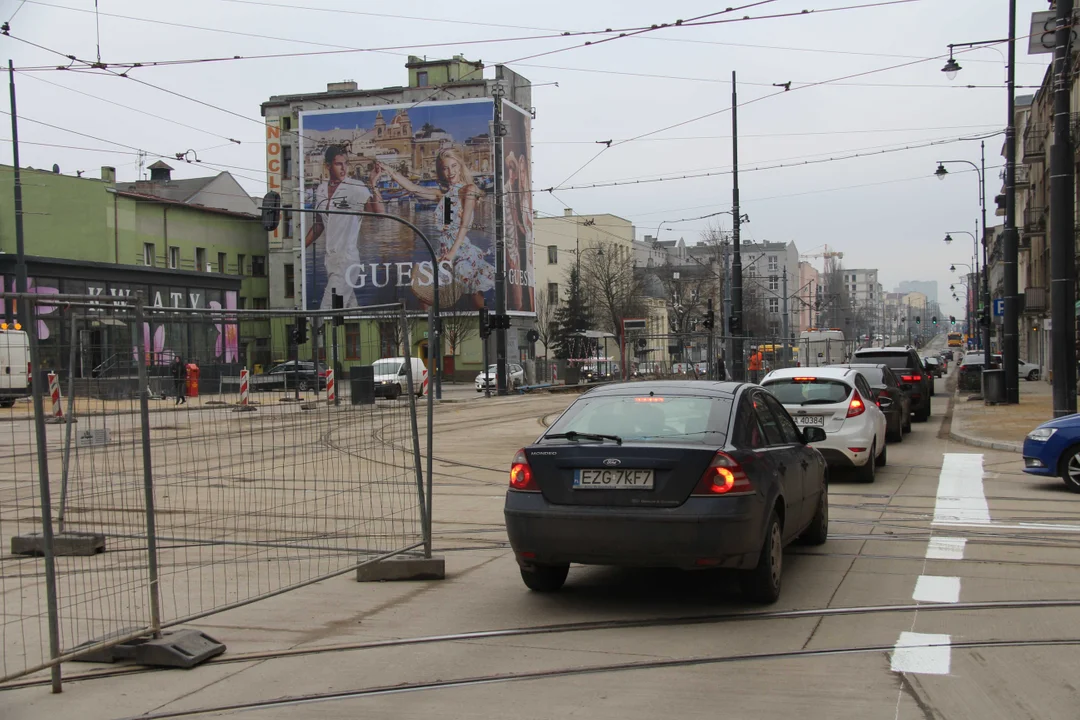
(179, 377)
(754, 366)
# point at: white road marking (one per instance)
(960, 497)
(946, 548)
(937, 589)
(1016, 526)
(925, 653)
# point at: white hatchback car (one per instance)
(515, 377)
(838, 400)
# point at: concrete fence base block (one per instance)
(245, 408)
(403, 567)
(310, 406)
(180, 648)
(68, 543)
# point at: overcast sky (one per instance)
(886, 211)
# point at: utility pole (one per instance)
(1010, 346)
(786, 320)
(20, 250)
(1062, 294)
(737, 362)
(500, 241)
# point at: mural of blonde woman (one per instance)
(471, 269)
(514, 232)
(524, 192)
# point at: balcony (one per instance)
(1034, 221)
(1035, 301)
(1022, 177)
(1034, 144)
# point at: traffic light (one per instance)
(271, 211)
(337, 302)
(300, 331)
(918, 320)
(485, 323)
(934, 319)
(952, 319)
(710, 316)
(734, 326)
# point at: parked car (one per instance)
(679, 474)
(839, 401)
(603, 371)
(907, 365)
(14, 367)
(893, 401)
(1026, 370)
(515, 377)
(392, 380)
(933, 365)
(1053, 448)
(291, 375)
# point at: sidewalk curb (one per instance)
(1003, 445)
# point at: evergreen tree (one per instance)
(572, 316)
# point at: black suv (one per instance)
(909, 369)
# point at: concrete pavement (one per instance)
(943, 524)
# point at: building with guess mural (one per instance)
(191, 243)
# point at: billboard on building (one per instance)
(410, 161)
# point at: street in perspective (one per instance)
(642, 369)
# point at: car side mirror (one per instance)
(813, 435)
(884, 403)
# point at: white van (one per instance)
(822, 346)
(391, 380)
(14, 367)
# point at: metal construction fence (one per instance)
(129, 503)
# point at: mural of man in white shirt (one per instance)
(340, 192)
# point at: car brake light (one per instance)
(856, 406)
(521, 476)
(911, 378)
(724, 476)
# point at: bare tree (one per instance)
(458, 325)
(545, 318)
(612, 286)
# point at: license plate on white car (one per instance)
(810, 420)
(613, 479)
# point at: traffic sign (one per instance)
(999, 307)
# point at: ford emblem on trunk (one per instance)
(610, 462)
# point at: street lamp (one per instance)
(951, 67)
(941, 172)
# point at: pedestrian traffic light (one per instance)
(300, 331)
(271, 211)
(337, 302)
(485, 323)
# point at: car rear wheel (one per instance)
(1033, 375)
(818, 530)
(762, 584)
(1069, 468)
(868, 471)
(302, 385)
(907, 423)
(545, 578)
(883, 458)
(923, 414)
(898, 434)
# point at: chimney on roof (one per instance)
(568, 212)
(108, 174)
(160, 172)
(344, 86)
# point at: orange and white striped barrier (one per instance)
(331, 387)
(424, 383)
(245, 386)
(54, 392)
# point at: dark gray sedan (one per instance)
(676, 474)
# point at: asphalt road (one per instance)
(946, 590)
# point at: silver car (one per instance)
(515, 377)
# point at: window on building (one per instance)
(174, 257)
(774, 282)
(774, 305)
(421, 79)
(553, 254)
(241, 261)
(241, 303)
(286, 161)
(290, 281)
(553, 293)
(200, 260)
(772, 263)
(353, 341)
(258, 265)
(149, 254)
(222, 263)
(259, 304)
(286, 219)
(286, 123)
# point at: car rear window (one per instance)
(873, 375)
(673, 420)
(808, 390)
(895, 360)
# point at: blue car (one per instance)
(1053, 448)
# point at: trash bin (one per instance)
(192, 382)
(994, 386)
(362, 385)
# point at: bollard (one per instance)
(54, 391)
(244, 387)
(331, 387)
